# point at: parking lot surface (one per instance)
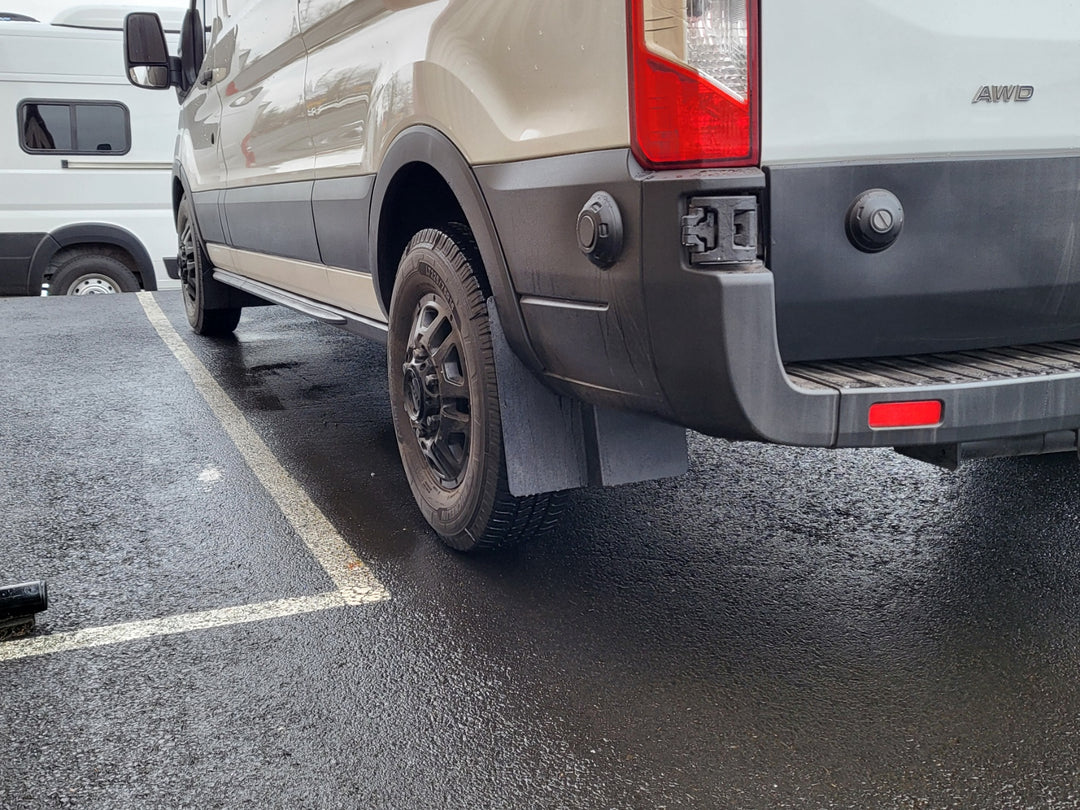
(247, 611)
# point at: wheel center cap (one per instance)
(415, 401)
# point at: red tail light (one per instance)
(693, 82)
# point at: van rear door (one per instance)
(861, 79)
(964, 115)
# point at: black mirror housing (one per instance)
(146, 55)
(192, 48)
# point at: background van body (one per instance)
(85, 161)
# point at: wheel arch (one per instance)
(423, 179)
(179, 189)
(85, 234)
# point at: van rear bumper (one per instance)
(720, 368)
(698, 344)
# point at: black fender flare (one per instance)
(424, 144)
(179, 178)
(91, 233)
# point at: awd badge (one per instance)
(996, 93)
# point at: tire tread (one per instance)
(510, 519)
(216, 322)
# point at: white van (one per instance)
(85, 161)
(581, 226)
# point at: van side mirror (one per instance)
(145, 53)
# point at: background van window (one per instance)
(75, 128)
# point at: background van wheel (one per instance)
(197, 283)
(444, 398)
(91, 273)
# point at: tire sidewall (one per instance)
(425, 269)
(193, 305)
(84, 265)
(213, 322)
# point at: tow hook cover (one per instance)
(720, 230)
(600, 230)
(874, 220)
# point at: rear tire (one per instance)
(90, 272)
(197, 282)
(445, 400)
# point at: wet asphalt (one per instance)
(779, 628)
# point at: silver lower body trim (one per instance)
(350, 321)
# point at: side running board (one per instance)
(350, 321)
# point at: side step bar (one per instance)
(350, 321)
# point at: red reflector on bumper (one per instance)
(924, 413)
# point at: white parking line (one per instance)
(355, 582)
(351, 576)
(170, 625)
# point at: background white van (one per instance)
(85, 160)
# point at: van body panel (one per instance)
(988, 256)
(855, 80)
(965, 114)
(275, 219)
(304, 278)
(198, 144)
(338, 206)
(503, 80)
(258, 63)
